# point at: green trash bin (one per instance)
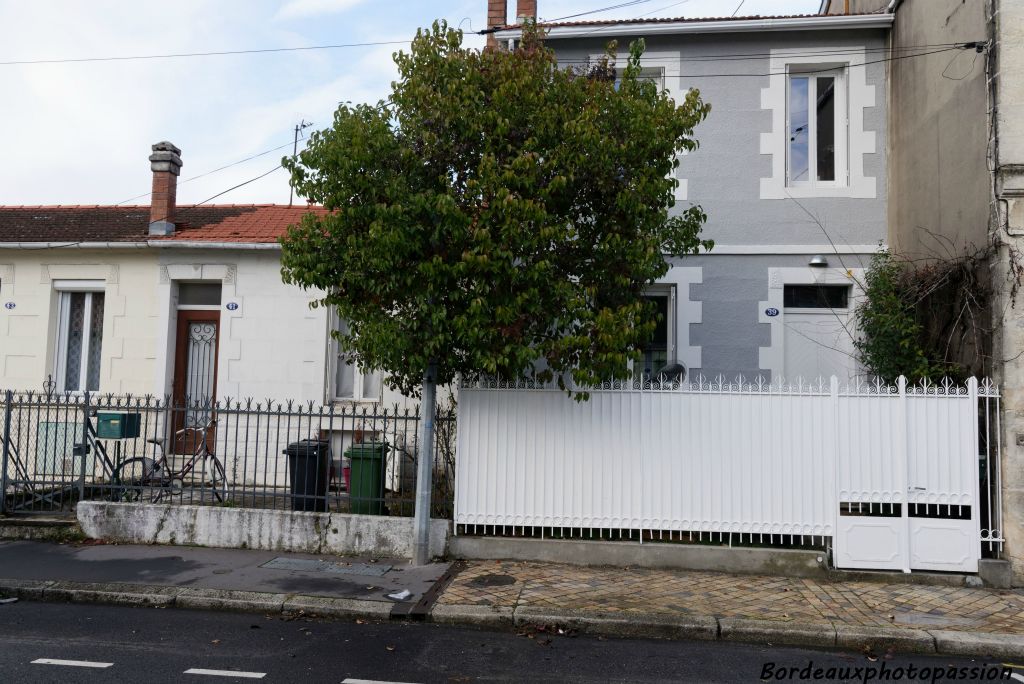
(366, 485)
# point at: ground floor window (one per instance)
(659, 351)
(350, 382)
(79, 341)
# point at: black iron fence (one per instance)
(62, 448)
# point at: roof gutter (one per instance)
(158, 244)
(811, 23)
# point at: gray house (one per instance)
(791, 171)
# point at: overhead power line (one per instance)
(621, 5)
(174, 55)
(212, 171)
(679, 74)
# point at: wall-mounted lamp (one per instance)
(818, 261)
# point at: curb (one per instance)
(646, 626)
(193, 598)
(699, 627)
(739, 630)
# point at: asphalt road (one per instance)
(120, 644)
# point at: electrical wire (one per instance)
(221, 168)
(176, 55)
(596, 11)
(679, 74)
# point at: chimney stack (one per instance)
(526, 9)
(497, 16)
(165, 163)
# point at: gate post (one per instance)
(8, 402)
(904, 452)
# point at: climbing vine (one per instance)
(928, 319)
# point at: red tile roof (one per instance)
(242, 223)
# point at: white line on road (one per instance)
(1018, 677)
(226, 673)
(367, 681)
(70, 663)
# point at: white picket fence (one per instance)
(888, 476)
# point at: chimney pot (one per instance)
(165, 163)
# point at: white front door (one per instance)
(818, 337)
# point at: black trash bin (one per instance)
(309, 463)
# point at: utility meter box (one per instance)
(117, 425)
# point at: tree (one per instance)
(496, 215)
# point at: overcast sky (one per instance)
(81, 133)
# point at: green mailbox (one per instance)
(117, 425)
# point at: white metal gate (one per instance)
(889, 475)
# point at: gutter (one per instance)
(812, 23)
(145, 244)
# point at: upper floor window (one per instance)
(350, 382)
(655, 75)
(816, 109)
(79, 339)
(824, 120)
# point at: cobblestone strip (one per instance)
(548, 587)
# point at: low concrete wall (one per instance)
(255, 528)
(783, 562)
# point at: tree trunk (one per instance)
(425, 468)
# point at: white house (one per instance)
(165, 300)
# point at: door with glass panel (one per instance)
(195, 376)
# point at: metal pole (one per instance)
(85, 449)
(8, 401)
(425, 468)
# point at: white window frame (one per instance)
(860, 96)
(64, 290)
(841, 126)
(357, 382)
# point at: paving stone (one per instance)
(797, 601)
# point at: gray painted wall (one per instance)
(724, 174)
(724, 177)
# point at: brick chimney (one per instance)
(526, 9)
(497, 15)
(166, 165)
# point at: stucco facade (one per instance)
(271, 343)
(764, 228)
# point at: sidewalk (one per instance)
(609, 601)
(770, 610)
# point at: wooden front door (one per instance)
(195, 376)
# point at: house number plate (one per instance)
(772, 312)
(9, 305)
(232, 306)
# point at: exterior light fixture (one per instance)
(818, 261)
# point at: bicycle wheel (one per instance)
(218, 477)
(130, 479)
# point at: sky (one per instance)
(80, 133)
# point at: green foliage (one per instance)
(496, 210)
(890, 341)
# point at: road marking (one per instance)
(1018, 677)
(226, 673)
(71, 663)
(368, 681)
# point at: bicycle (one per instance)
(138, 475)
